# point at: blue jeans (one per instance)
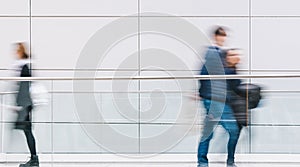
(218, 113)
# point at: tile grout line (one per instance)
(114, 16)
(52, 126)
(139, 73)
(30, 34)
(2, 125)
(250, 68)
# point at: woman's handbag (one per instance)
(247, 97)
(39, 94)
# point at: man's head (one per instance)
(220, 36)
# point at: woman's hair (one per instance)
(21, 48)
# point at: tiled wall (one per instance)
(58, 30)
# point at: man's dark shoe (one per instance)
(202, 165)
(231, 165)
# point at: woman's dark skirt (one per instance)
(23, 121)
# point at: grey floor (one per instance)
(154, 164)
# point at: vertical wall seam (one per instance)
(139, 73)
(250, 69)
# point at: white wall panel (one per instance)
(84, 7)
(58, 42)
(111, 108)
(72, 138)
(277, 109)
(275, 8)
(275, 43)
(277, 84)
(275, 139)
(196, 7)
(14, 8)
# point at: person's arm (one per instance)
(214, 63)
(232, 60)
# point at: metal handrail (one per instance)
(150, 91)
(198, 77)
(148, 69)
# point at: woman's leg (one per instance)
(30, 141)
(230, 125)
(34, 160)
(28, 133)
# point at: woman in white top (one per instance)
(24, 102)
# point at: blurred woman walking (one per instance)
(24, 102)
